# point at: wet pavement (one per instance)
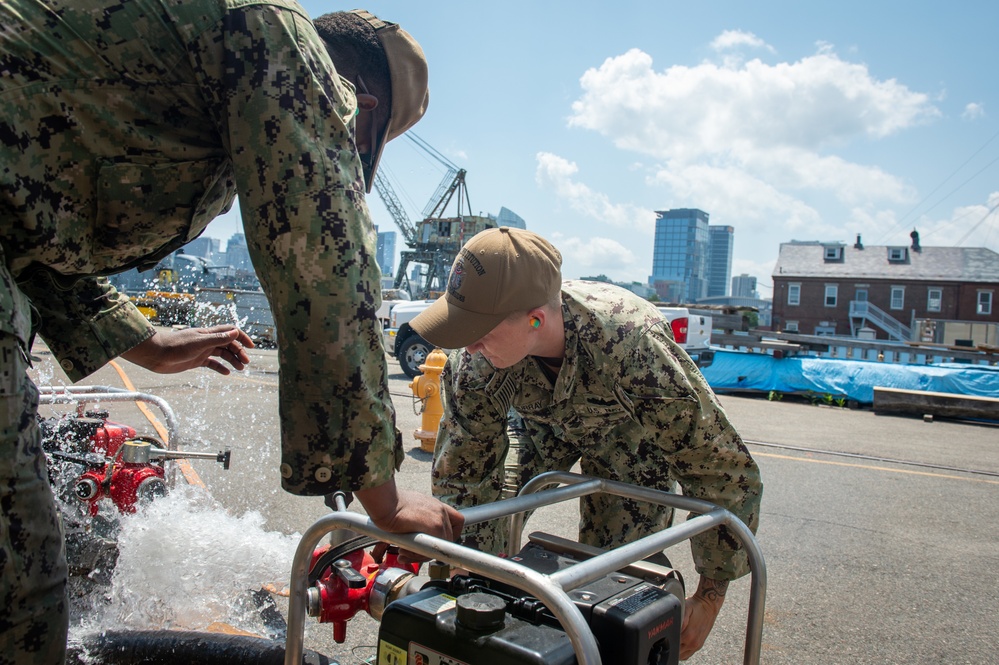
(879, 532)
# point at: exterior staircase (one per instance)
(862, 312)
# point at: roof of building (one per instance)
(959, 264)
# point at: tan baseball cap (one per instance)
(409, 76)
(497, 272)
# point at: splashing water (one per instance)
(184, 563)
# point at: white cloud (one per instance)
(557, 174)
(710, 109)
(731, 39)
(591, 256)
(731, 193)
(973, 111)
(775, 124)
(761, 270)
(967, 226)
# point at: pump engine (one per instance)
(634, 614)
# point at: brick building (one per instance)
(885, 292)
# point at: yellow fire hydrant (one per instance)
(427, 390)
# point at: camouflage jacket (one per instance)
(625, 389)
(125, 128)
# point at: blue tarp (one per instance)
(854, 379)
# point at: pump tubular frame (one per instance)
(552, 590)
(83, 394)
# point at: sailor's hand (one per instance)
(398, 511)
(699, 614)
(172, 351)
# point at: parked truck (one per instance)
(691, 331)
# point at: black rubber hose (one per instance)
(172, 647)
(327, 558)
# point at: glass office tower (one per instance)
(680, 255)
(720, 243)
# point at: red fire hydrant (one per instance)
(427, 389)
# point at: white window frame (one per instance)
(900, 290)
(897, 254)
(833, 291)
(794, 288)
(834, 253)
(791, 326)
(983, 303)
(934, 304)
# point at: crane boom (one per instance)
(391, 201)
(433, 242)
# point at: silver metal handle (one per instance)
(84, 394)
(552, 590)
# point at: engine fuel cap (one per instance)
(480, 611)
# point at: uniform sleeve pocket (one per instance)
(143, 206)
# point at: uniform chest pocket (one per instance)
(591, 419)
(141, 207)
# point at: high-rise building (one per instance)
(507, 217)
(680, 255)
(720, 244)
(386, 252)
(236, 253)
(744, 286)
(206, 248)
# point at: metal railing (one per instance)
(81, 395)
(861, 309)
(552, 589)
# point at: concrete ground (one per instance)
(879, 532)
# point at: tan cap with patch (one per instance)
(497, 273)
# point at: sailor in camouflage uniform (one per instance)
(125, 128)
(595, 376)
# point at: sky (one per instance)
(785, 120)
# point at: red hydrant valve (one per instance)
(349, 586)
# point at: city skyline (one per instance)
(786, 121)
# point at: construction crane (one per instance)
(433, 242)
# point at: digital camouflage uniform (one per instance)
(125, 128)
(628, 404)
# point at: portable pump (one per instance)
(92, 458)
(635, 614)
(472, 620)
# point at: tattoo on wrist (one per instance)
(712, 590)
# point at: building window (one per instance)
(794, 294)
(832, 292)
(833, 253)
(791, 326)
(984, 302)
(897, 297)
(860, 295)
(898, 254)
(933, 299)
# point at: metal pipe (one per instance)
(161, 453)
(757, 565)
(82, 394)
(597, 567)
(549, 589)
(551, 595)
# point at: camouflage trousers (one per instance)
(604, 521)
(34, 610)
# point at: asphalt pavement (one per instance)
(879, 532)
